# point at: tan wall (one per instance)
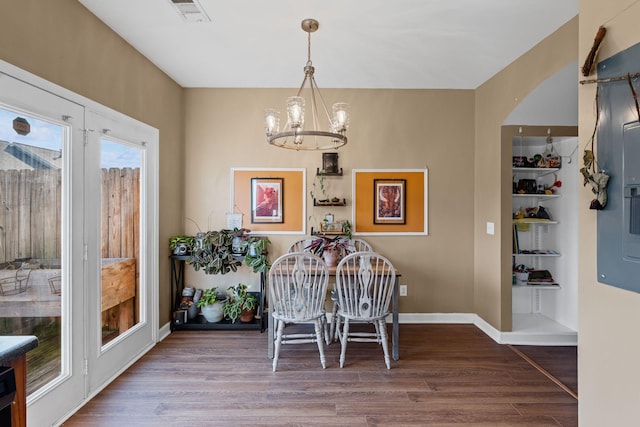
(389, 129)
(495, 100)
(609, 348)
(64, 43)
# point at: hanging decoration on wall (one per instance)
(591, 172)
(587, 68)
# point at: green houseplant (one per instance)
(332, 249)
(181, 245)
(212, 305)
(240, 304)
(215, 255)
(256, 253)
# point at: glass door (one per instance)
(119, 220)
(41, 146)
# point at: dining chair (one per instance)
(300, 245)
(364, 288)
(360, 245)
(297, 289)
(355, 245)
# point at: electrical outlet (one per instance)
(403, 290)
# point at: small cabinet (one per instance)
(178, 263)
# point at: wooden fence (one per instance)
(31, 228)
(31, 217)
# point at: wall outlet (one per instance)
(403, 290)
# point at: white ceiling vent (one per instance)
(190, 10)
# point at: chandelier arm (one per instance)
(324, 106)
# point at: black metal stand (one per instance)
(199, 323)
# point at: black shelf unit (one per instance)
(178, 263)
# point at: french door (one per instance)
(120, 224)
(78, 190)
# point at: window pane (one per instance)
(30, 238)
(120, 291)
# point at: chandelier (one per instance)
(294, 133)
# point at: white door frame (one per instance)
(52, 406)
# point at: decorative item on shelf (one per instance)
(334, 201)
(240, 304)
(294, 133)
(181, 245)
(211, 305)
(329, 165)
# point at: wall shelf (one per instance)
(321, 172)
(340, 202)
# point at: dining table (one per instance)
(395, 328)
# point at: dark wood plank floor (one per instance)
(447, 375)
(559, 361)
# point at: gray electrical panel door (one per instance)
(618, 155)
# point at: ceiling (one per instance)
(410, 44)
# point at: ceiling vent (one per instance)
(190, 10)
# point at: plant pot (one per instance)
(192, 311)
(331, 257)
(213, 312)
(181, 249)
(248, 315)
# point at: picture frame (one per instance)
(330, 163)
(267, 200)
(390, 201)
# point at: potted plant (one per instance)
(215, 255)
(256, 253)
(211, 304)
(240, 304)
(181, 245)
(331, 249)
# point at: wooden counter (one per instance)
(13, 352)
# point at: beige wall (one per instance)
(495, 99)
(389, 129)
(64, 43)
(609, 348)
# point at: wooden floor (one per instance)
(447, 375)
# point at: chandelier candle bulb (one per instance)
(340, 116)
(295, 110)
(272, 121)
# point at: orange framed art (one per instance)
(390, 202)
(248, 190)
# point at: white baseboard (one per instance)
(526, 337)
(539, 337)
(164, 331)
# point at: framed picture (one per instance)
(330, 163)
(267, 200)
(389, 201)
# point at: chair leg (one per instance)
(335, 323)
(382, 329)
(278, 342)
(320, 341)
(343, 340)
(325, 329)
